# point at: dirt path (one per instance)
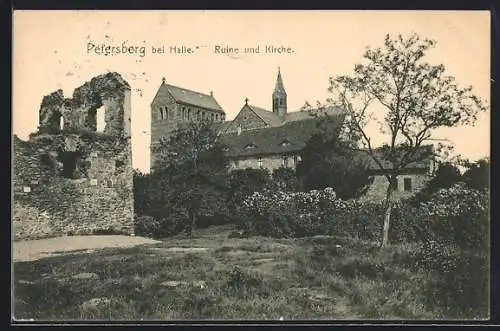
(31, 250)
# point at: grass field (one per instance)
(211, 276)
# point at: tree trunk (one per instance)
(387, 214)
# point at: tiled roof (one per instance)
(190, 97)
(287, 138)
(220, 126)
(267, 116)
(272, 119)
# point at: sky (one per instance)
(53, 50)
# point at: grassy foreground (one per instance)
(254, 278)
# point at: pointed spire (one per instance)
(279, 88)
(163, 80)
(279, 96)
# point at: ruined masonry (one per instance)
(69, 178)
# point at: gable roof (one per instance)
(272, 119)
(270, 140)
(189, 97)
(267, 116)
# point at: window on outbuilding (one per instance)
(285, 161)
(407, 184)
(260, 162)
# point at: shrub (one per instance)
(286, 214)
(147, 226)
(285, 179)
(459, 283)
(459, 216)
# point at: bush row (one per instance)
(457, 215)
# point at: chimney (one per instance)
(163, 80)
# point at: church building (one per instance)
(173, 105)
(261, 138)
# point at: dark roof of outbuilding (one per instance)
(422, 158)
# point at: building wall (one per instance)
(270, 162)
(378, 189)
(162, 128)
(247, 119)
(100, 200)
(98, 195)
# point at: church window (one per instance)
(198, 115)
(259, 162)
(160, 115)
(212, 117)
(217, 117)
(189, 114)
(166, 113)
(203, 115)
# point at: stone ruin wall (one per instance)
(74, 180)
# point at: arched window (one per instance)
(160, 115)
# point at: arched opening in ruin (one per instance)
(70, 163)
(100, 119)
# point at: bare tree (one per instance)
(417, 98)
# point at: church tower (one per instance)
(279, 97)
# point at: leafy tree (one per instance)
(446, 176)
(191, 174)
(141, 192)
(478, 174)
(325, 162)
(416, 97)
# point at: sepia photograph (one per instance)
(209, 165)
